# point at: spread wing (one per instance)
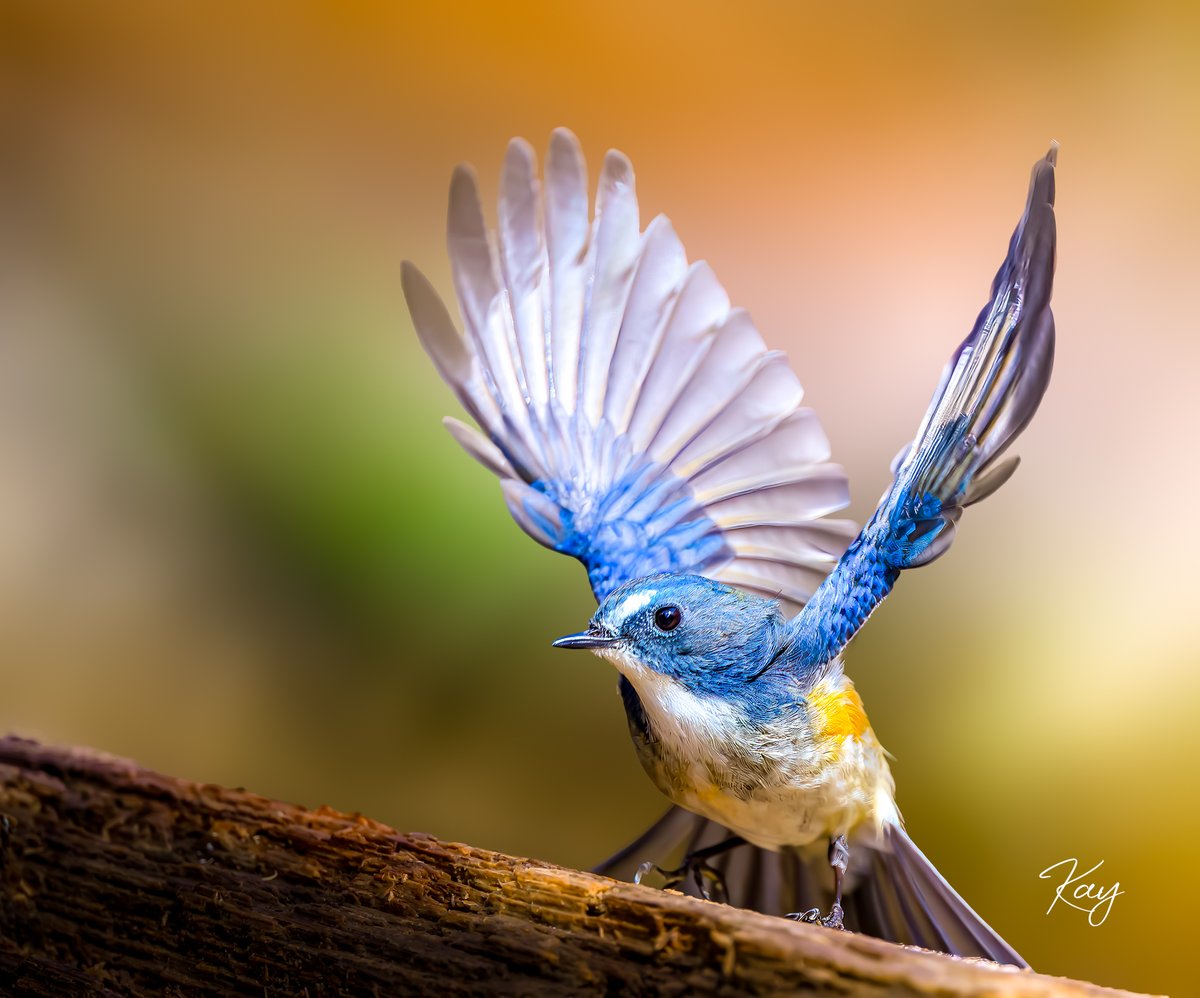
(636, 421)
(989, 392)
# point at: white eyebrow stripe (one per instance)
(633, 603)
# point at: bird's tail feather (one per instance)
(895, 894)
(902, 897)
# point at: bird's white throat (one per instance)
(692, 723)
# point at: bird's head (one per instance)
(704, 635)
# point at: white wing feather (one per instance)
(635, 420)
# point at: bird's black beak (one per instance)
(590, 638)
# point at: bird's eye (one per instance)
(667, 618)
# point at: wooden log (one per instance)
(116, 880)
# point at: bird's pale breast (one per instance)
(815, 771)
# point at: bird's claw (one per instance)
(814, 917)
(707, 880)
(669, 876)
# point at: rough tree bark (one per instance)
(116, 880)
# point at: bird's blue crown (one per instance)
(712, 638)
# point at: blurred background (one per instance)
(237, 546)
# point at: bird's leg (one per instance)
(839, 859)
(708, 880)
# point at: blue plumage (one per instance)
(647, 523)
(845, 600)
(638, 423)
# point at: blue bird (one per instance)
(638, 423)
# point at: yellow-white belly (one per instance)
(816, 772)
(805, 804)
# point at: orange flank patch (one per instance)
(836, 713)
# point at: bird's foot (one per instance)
(707, 880)
(814, 917)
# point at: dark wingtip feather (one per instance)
(1027, 275)
(1039, 207)
(464, 204)
(1031, 267)
(462, 180)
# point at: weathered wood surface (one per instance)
(116, 880)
